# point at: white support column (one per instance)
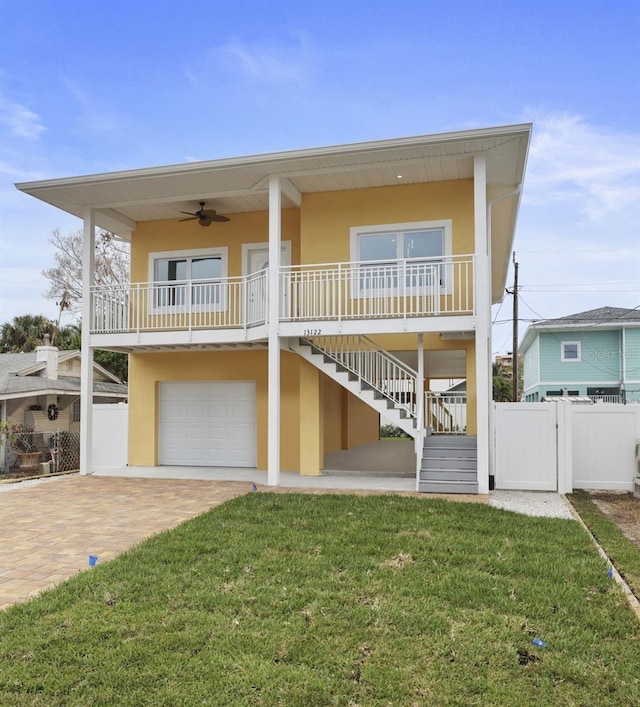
(564, 449)
(273, 423)
(86, 375)
(482, 297)
(420, 382)
(420, 408)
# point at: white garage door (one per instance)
(207, 424)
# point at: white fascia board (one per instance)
(280, 157)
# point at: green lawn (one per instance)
(333, 600)
(624, 554)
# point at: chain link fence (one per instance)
(33, 453)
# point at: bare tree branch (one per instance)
(65, 277)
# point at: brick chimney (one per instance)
(48, 354)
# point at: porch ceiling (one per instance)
(437, 364)
(241, 183)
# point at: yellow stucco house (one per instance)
(280, 303)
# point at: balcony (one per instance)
(335, 297)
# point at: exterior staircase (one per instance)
(367, 371)
(449, 464)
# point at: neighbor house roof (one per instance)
(236, 184)
(602, 317)
(19, 378)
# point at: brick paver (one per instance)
(49, 530)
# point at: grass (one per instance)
(333, 600)
(623, 552)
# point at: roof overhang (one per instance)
(121, 199)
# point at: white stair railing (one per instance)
(375, 367)
(446, 413)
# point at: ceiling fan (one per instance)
(203, 217)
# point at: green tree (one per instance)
(114, 362)
(502, 385)
(26, 332)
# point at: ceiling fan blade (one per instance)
(188, 213)
(219, 217)
(193, 218)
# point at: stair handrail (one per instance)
(365, 358)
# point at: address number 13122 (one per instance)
(312, 332)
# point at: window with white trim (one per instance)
(401, 255)
(189, 280)
(570, 351)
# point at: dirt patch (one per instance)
(399, 562)
(623, 508)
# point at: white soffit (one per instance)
(241, 183)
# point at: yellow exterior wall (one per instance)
(326, 217)
(147, 370)
(311, 421)
(332, 412)
(317, 416)
(363, 424)
(250, 227)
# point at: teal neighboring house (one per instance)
(594, 354)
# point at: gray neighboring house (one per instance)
(41, 389)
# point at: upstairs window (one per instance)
(570, 351)
(404, 255)
(188, 279)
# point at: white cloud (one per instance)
(93, 117)
(20, 120)
(265, 63)
(572, 161)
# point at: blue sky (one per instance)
(91, 86)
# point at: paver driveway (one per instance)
(49, 530)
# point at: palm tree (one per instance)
(26, 332)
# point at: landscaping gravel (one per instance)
(531, 503)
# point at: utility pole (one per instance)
(514, 353)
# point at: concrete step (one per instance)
(449, 463)
(451, 441)
(447, 487)
(469, 475)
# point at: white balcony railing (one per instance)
(404, 288)
(338, 291)
(194, 304)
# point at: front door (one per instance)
(257, 259)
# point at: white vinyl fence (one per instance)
(561, 446)
(110, 436)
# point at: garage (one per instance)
(202, 423)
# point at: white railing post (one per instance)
(339, 292)
(139, 306)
